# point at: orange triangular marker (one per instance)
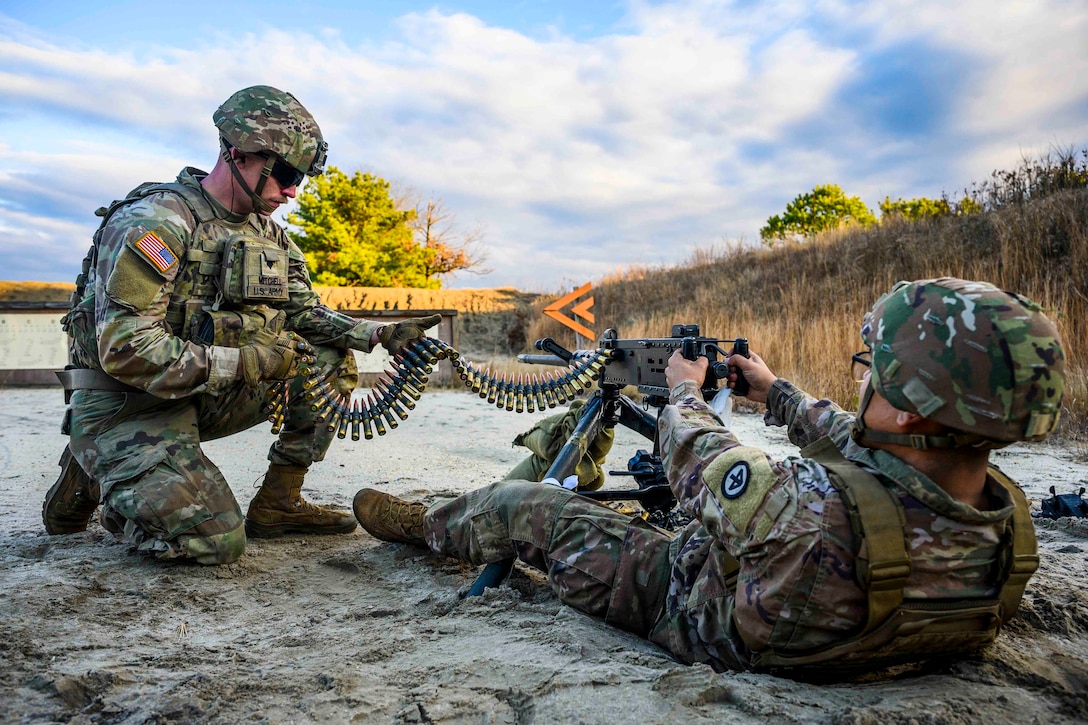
(582, 310)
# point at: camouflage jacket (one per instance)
(789, 530)
(158, 264)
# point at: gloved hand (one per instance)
(274, 357)
(394, 337)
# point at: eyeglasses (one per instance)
(285, 174)
(860, 362)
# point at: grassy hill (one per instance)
(36, 291)
(801, 305)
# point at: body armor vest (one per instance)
(255, 267)
(900, 630)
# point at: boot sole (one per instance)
(258, 530)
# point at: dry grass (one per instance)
(491, 323)
(36, 291)
(472, 301)
(801, 305)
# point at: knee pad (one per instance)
(223, 548)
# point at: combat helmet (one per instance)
(986, 364)
(265, 120)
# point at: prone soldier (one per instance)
(889, 539)
(192, 304)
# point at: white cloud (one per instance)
(698, 120)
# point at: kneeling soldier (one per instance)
(192, 303)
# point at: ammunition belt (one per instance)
(396, 394)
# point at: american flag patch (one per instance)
(156, 252)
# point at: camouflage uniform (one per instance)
(834, 561)
(138, 322)
(787, 527)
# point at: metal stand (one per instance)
(604, 409)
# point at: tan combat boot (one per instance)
(390, 518)
(72, 499)
(278, 508)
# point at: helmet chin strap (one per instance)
(254, 194)
(864, 436)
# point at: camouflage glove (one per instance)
(274, 357)
(394, 337)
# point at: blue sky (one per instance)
(580, 138)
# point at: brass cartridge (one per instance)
(519, 396)
(372, 415)
(389, 400)
(339, 422)
(416, 361)
(421, 351)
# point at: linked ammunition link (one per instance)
(395, 392)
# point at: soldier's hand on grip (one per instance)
(275, 357)
(394, 337)
(759, 377)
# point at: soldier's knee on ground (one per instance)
(177, 516)
(216, 548)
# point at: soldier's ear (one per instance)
(906, 419)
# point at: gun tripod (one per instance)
(606, 408)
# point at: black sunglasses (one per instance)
(860, 362)
(285, 174)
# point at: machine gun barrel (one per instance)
(529, 359)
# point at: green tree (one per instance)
(923, 208)
(353, 234)
(967, 205)
(825, 207)
(915, 209)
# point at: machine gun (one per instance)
(616, 364)
(639, 362)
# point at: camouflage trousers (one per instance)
(597, 560)
(159, 491)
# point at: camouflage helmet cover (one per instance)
(262, 119)
(969, 356)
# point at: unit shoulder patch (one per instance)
(735, 481)
(739, 479)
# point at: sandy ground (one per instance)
(350, 629)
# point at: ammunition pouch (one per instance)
(234, 328)
(82, 335)
(254, 269)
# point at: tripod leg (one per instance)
(493, 575)
(564, 464)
